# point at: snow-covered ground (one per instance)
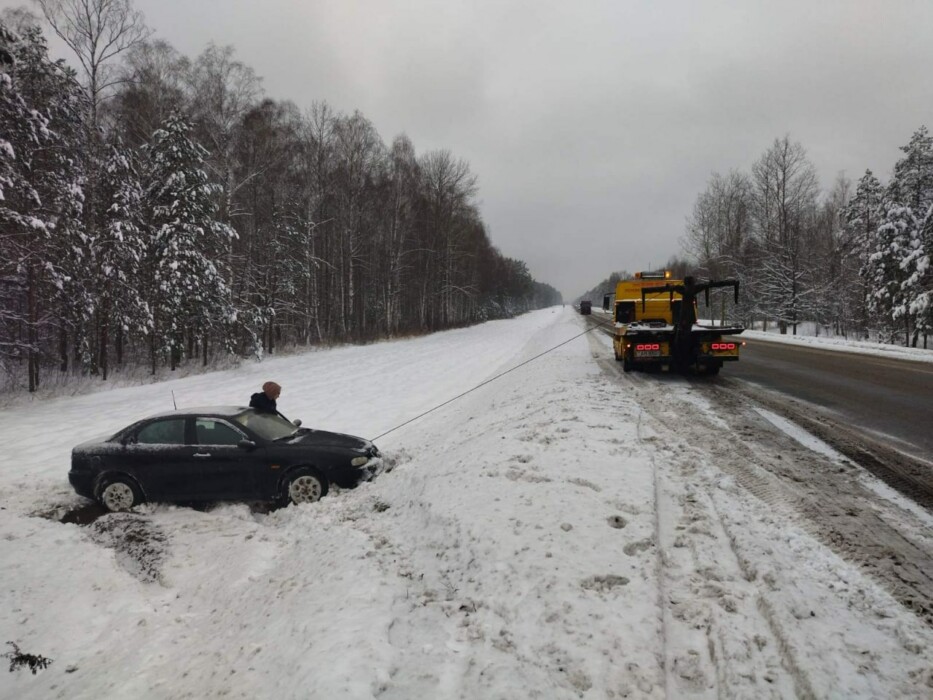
(545, 536)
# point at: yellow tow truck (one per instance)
(656, 325)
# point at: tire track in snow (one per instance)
(704, 582)
(796, 487)
(847, 522)
(706, 586)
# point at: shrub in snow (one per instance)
(19, 659)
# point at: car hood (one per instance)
(323, 438)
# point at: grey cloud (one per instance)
(594, 125)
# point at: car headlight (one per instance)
(359, 461)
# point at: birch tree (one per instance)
(222, 90)
(785, 190)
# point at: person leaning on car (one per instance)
(264, 401)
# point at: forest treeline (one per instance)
(855, 260)
(156, 208)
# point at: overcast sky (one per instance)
(592, 125)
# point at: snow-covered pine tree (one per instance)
(118, 251)
(910, 195)
(918, 286)
(862, 216)
(43, 245)
(912, 184)
(190, 297)
(884, 270)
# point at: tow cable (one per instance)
(492, 379)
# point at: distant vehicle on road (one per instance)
(586, 307)
(219, 453)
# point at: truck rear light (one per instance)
(655, 346)
(723, 346)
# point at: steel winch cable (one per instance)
(492, 379)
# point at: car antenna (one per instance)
(173, 400)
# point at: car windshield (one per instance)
(269, 426)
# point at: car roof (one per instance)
(203, 411)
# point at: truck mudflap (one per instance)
(703, 359)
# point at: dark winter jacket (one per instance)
(262, 403)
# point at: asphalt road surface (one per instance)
(887, 397)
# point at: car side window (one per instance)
(170, 431)
(214, 432)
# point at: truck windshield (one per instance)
(269, 426)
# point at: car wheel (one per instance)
(305, 486)
(119, 493)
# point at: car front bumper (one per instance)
(82, 483)
(373, 468)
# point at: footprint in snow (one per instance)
(584, 483)
(617, 521)
(633, 548)
(604, 583)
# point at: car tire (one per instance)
(119, 493)
(304, 485)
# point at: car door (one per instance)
(229, 471)
(160, 455)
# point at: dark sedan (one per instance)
(219, 453)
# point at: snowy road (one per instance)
(563, 532)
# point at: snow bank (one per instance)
(841, 344)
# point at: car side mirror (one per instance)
(297, 422)
(245, 444)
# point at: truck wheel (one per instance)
(626, 364)
(713, 370)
